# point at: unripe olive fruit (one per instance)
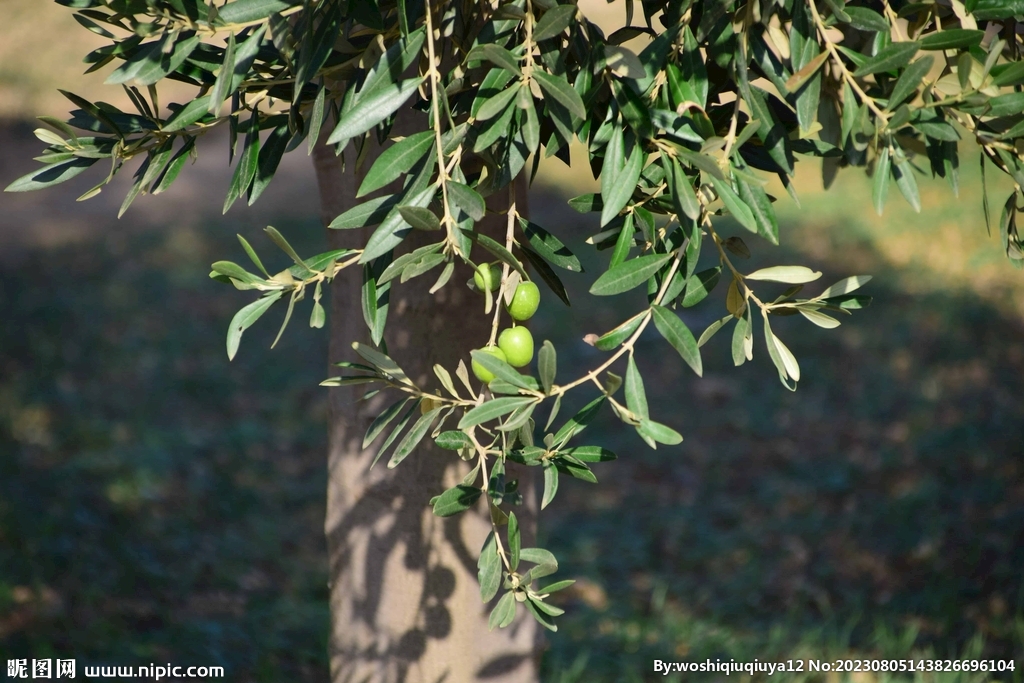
(482, 373)
(517, 345)
(487, 276)
(524, 301)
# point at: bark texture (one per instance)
(405, 603)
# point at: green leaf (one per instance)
(561, 92)
(394, 229)
(613, 338)
(739, 210)
(493, 409)
(396, 160)
(268, 160)
(629, 274)
(222, 86)
(245, 11)
(455, 500)
(679, 336)
(504, 613)
(589, 453)
(245, 168)
(245, 318)
(951, 39)
(546, 274)
(819, 319)
(756, 199)
(547, 365)
(383, 420)
(50, 175)
(496, 55)
(514, 541)
(621, 184)
(420, 217)
(370, 110)
(453, 440)
(554, 21)
(866, 19)
(550, 485)
(895, 56)
(845, 286)
(700, 285)
(500, 251)
(797, 80)
(500, 369)
(586, 203)
(636, 398)
(659, 432)
(684, 199)
(413, 438)
(793, 275)
(370, 212)
(880, 182)
(497, 105)
(909, 80)
(905, 181)
(578, 422)
(467, 199)
(557, 586)
(382, 362)
(187, 115)
(784, 360)
(550, 247)
(489, 569)
(397, 430)
(623, 243)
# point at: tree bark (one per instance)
(405, 602)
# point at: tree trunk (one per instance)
(405, 603)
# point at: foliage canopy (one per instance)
(681, 133)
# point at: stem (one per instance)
(509, 233)
(442, 172)
(838, 62)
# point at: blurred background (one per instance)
(160, 504)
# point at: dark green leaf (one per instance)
(489, 569)
(413, 438)
(453, 440)
(245, 11)
(467, 199)
(373, 108)
(546, 365)
(455, 500)
(370, 212)
(50, 175)
(562, 92)
(628, 275)
(245, 318)
(550, 247)
(396, 160)
(700, 285)
(493, 409)
(679, 336)
(383, 420)
(895, 56)
(554, 21)
(909, 80)
(952, 38)
(504, 613)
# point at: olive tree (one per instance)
(423, 118)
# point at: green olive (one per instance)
(487, 276)
(524, 301)
(482, 373)
(517, 345)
